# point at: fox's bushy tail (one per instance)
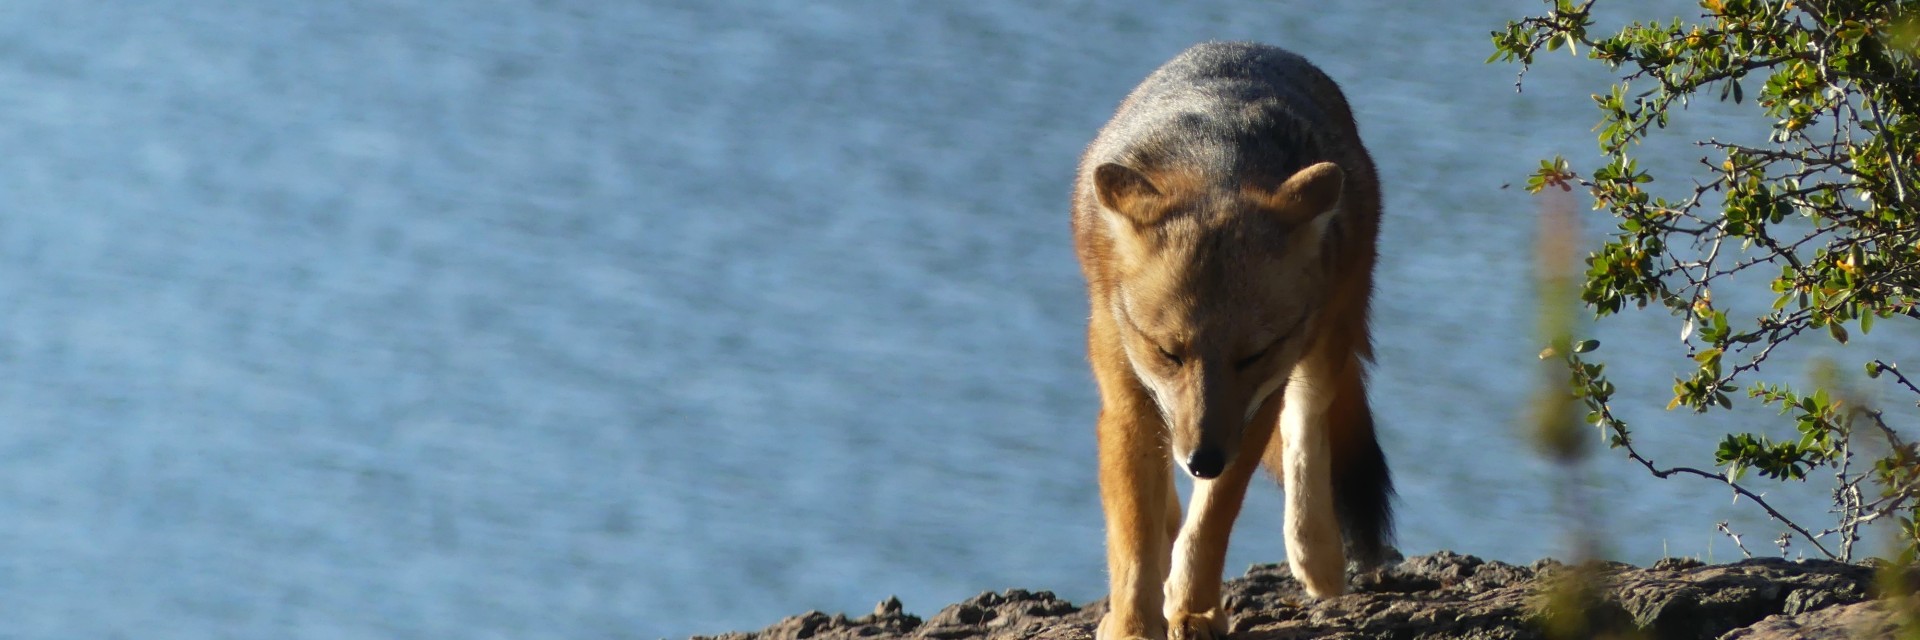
(1362, 486)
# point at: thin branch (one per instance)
(1737, 488)
(1886, 367)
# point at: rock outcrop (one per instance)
(1448, 595)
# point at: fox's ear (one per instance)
(1127, 192)
(1308, 196)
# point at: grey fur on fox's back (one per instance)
(1240, 109)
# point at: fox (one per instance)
(1225, 221)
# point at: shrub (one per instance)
(1822, 214)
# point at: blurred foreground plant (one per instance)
(1822, 215)
(1574, 603)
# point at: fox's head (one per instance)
(1215, 291)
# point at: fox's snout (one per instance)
(1206, 462)
(1207, 417)
(1206, 438)
(1210, 442)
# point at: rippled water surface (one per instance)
(594, 320)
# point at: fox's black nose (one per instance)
(1206, 462)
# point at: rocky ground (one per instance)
(1447, 595)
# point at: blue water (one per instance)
(582, 320)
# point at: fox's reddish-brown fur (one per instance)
(1225, 220)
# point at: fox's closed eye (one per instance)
(1164, 353)
(1243, 363)
(1248, 361)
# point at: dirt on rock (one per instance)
(1448, 595)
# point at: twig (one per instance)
(1886, 367)
(1736, 539)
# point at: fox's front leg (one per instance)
(1136, 491)
(1305, 467)
(1193, 604)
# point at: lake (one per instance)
(569, 319)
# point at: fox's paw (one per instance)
(1116, 627)
(1323, 575)
(1206, 625)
